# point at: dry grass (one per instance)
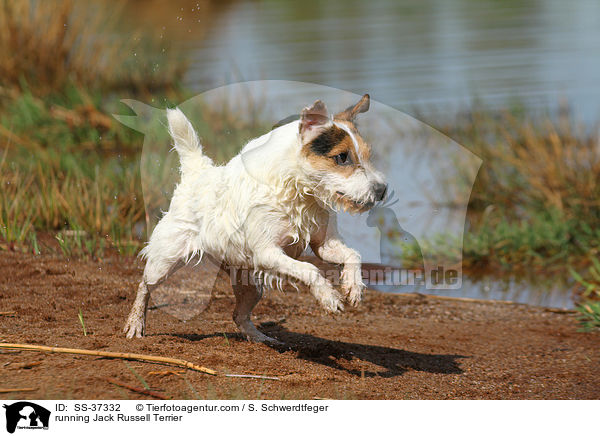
(105, 210)
(77, 174)
(48, 44)
(536, 200)
(65, 163)
(533, 164)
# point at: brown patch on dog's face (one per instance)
(337, 158)
(364, 150)
(334, 151)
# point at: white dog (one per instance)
(264, 221)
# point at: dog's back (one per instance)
(218, 203)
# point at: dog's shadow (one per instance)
(334, 354)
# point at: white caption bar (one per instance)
(295, 417)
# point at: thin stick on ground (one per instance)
(10, 390)
(264, 377)
(113, 355)
(138, 390)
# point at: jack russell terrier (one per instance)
(309, 168)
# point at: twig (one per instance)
(113, 355)
(265, 377)
(166, 372)
(27, 365)
(7, 313)
(138, 390)
(6, 391)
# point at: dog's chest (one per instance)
(302, 219)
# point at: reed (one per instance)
(536, 200)
(56, 42)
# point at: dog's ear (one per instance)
(313, 120)
(350, 113)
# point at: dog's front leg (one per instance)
(275, 259)
(329, 247)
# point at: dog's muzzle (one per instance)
(380, 189)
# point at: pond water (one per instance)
(427, 56)
(434, 55)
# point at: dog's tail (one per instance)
(186, 142)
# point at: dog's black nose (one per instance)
(380, 190)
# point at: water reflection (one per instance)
(436, 54)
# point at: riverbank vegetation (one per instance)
(67, 167)
(535, 205)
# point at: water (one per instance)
(431, 54)
(428, 56)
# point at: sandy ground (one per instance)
(393, 346)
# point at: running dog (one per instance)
(263, 220)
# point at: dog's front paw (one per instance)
(333, 303)
(353, 293)
(135, 327)
(330, 299)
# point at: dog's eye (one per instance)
(343, 159)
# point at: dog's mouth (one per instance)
(354, 206)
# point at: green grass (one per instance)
(544, 239)
(589, 318)
(226, 339)
(141, 379)
(589, 306)
(75, 171)
(80, 316)
(67, 167)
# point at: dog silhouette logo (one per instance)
(26, 415)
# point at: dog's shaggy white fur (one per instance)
(263, 219)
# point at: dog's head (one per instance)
(336, 159)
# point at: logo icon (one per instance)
(26, 415)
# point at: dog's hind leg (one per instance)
(136, 321)
(165, 254)
(156, 271)
(246, 297)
